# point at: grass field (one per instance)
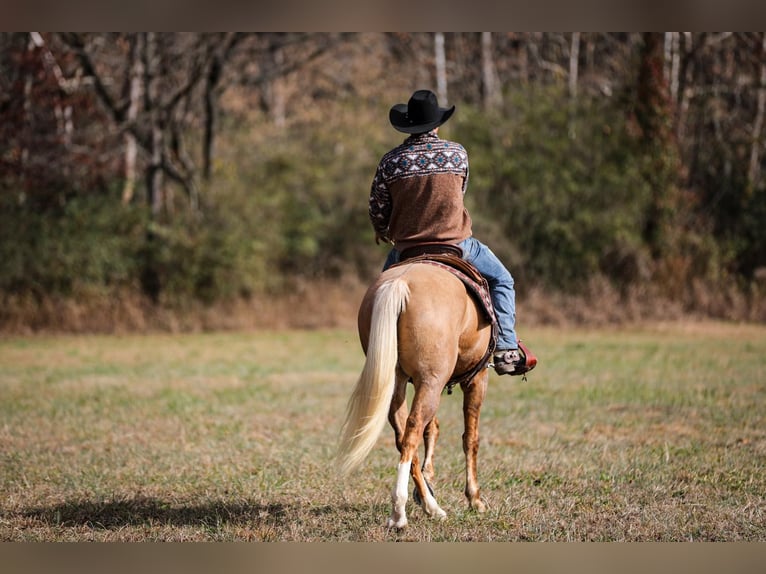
(654, 433)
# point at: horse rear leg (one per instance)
(424, 407)
(430, 435)
(473, 397)
(397, 417)
(397, 412)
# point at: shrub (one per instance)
(90, 241)
(565, 184)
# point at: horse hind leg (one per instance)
(397, 417)
(422, 494)
(473, 397)
(425, 494)
(430, 436)
(398, 518)
(423, 410)
(397, 412)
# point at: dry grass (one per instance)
(333, 303)
(648, 433)
(305, 305)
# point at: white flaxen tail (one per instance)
(367, 410)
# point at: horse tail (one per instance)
(367, 410)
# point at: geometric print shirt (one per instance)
(417, 192)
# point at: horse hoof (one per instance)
(398, 524)
(479, 506)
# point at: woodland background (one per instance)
(191, 181)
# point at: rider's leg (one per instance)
(503, 294)
(501, 289)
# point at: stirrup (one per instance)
(527, 362)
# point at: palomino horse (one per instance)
(416, 322)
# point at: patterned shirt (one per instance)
(417, 192)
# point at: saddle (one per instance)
(450, 258)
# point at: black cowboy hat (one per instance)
(421, 114)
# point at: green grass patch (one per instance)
(654, 433)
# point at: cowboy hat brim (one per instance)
(400, 120)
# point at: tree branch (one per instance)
(75, 42)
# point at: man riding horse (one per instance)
(417, 198)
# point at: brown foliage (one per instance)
(334, 303)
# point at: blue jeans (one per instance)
(500, 287)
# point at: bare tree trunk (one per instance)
(179, 167)
(64, 123)
(685, 88)
(522, 54)
(213, 77)
(672, 63)
(653, 107)
(754, 168)
(154, 179)
(212, 89)
(209, 131)
(278, 95)
(441, 68)
(26, 108)
(492, 95)
(136, 95)
(574, 57)
(653, 114)
(154, 173)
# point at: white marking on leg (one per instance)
(432, 507)
(399, 496)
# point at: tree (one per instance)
(754, 166)
(441, 68)
(150, 119)
(491, 88)
(574, 61)
(654, 116)
(156, 76)
(50, 141)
